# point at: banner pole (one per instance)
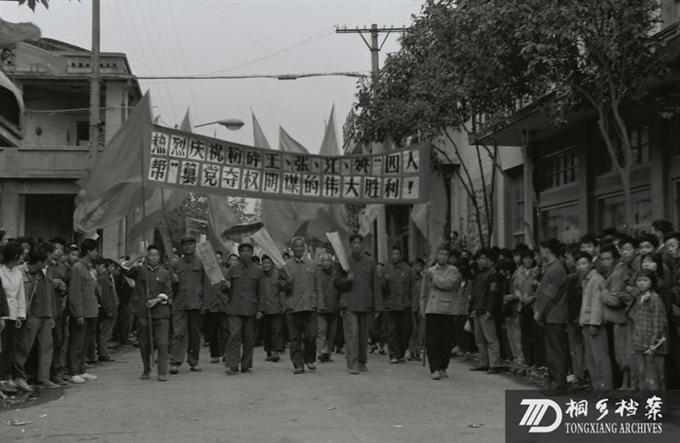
(143, 178)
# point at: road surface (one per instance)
(390, 403)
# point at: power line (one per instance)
(307, 40)
(254, 76)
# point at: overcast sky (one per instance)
(228, 37)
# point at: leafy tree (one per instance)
(603, 61)
(469, 58)
(33, 3)
(437, 83)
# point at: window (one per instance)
(82, 133)
(639, 148)
(611, 211)
(561, 223)
(560, 169)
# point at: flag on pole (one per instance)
(113, 186)
(12, 33)
(283, 218)
(430, 218)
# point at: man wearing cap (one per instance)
(191, 284)
(359, 299)
(397, 284)
(247, 284)
(152, 292)
(300, 308)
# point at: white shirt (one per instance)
(13, 286)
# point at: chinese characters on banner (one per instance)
(203, 164)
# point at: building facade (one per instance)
(40, 168)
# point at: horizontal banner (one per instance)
(193, 162)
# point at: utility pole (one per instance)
(375, 47)
(94, 82)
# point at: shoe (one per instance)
(174, 369)
(493, 371)
(105, 359)
(443, 374)
(77, 379)
(275, 357)
(58, 381)
(144, 376)
(268, 358)
(196, 368)
(311, 366)
(324, 357)
(401, 360)
(89, 377)
(231, 371)
(21, 384)
(480, 368)
(162, 378)
(298, 370)
(48, 384)
(12, 385)
(246, 371)
(215, 360)
(5, 387)
(416, 358)
(363, 368)
(353, 371)
(394, 361)
(436, 375)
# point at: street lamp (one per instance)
(233, 124)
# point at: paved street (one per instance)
(389, 403)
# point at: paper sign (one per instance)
(206, 254)
(265, 241)
(339, 248)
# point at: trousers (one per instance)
(186, 338)
(77, 344)
(597, 358)
(398, 326)
(241, 342)
(486, 338)
(216, 328)
(356, 326)
(439, 330)
(35, 329)
(327, 323)
(59, 342)
(556, 355)
(417, 341)
(272, 332)
(302, 335)
(160, 328)
(514, 332)
(105, 327)
(576, 350)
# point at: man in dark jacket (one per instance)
(58, 271)
(327, 298)
(82, 305)
(273, 307)
(151, 300)
(300, 308)
(397, 285)
(359, 300)
(192, 285)
(551, 309)
(40, 303)
(246, 283)
(108, 308)
(215, 323)
(486, 307)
